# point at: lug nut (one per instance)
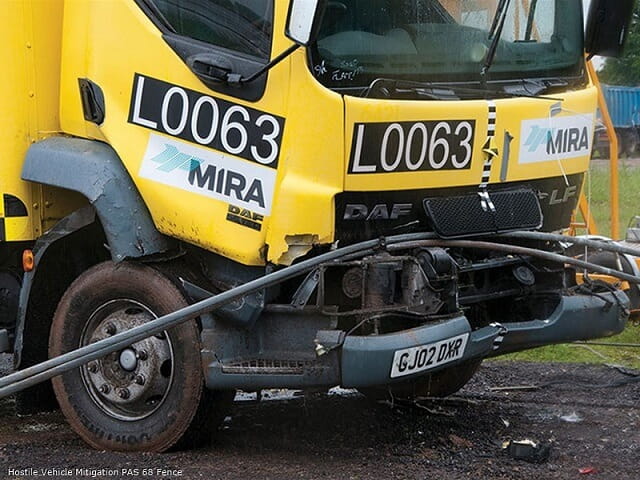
(110, 329)
(93, 367)
(142, 355)
(124, 393)
(140, 379)
(104, 388)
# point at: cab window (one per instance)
(243, 26)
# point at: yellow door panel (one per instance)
(206, 163)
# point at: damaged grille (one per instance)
(463, 216)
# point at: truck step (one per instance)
(267, 367)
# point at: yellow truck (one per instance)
(396, 173)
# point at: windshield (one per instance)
(446, 41)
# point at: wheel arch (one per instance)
(95, 170)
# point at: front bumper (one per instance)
(368, 360)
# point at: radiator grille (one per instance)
(463, 216)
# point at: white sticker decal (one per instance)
(556, 138)
(201, 119)
(412, 146)
(425, 357)
(209, 173)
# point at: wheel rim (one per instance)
(134, 382)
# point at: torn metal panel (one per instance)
(299, 246)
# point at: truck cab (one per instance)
(214, 161)
(160, 152)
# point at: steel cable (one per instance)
(38, 373)
(43, 371)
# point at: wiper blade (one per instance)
(526, 87)
(530, 87)
(438, 91)
(424, 89)
(506, 93)
(530, 20)
(494, 35)
(496, 17)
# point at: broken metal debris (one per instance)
(522, 388)
(528, 450)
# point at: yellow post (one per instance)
(613, 155)
(585, 209)
(589, 223)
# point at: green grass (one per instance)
(600, 204)
(629, 197)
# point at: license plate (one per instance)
(425, 357)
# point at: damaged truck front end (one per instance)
(369, 206)
(411, 319)
(404, 316)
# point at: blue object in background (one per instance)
(623, 104)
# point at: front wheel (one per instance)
(146, 396)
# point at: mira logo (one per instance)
(209, 173)
(556, 138)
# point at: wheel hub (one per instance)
(132, 383)
(128, 359)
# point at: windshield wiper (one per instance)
(496, 17)
(533, 87)
(437, 91)
(494, 34)
(530, 20)
(428, 90)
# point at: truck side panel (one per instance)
(26, 108)
(30, 44)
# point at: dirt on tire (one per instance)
(589, 415)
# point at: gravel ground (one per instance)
(343, 435)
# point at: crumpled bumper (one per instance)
(383, 359)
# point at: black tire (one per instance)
(439, 384)
(158, 399)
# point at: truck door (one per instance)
(203, 153)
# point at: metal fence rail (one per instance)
(28, 377)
